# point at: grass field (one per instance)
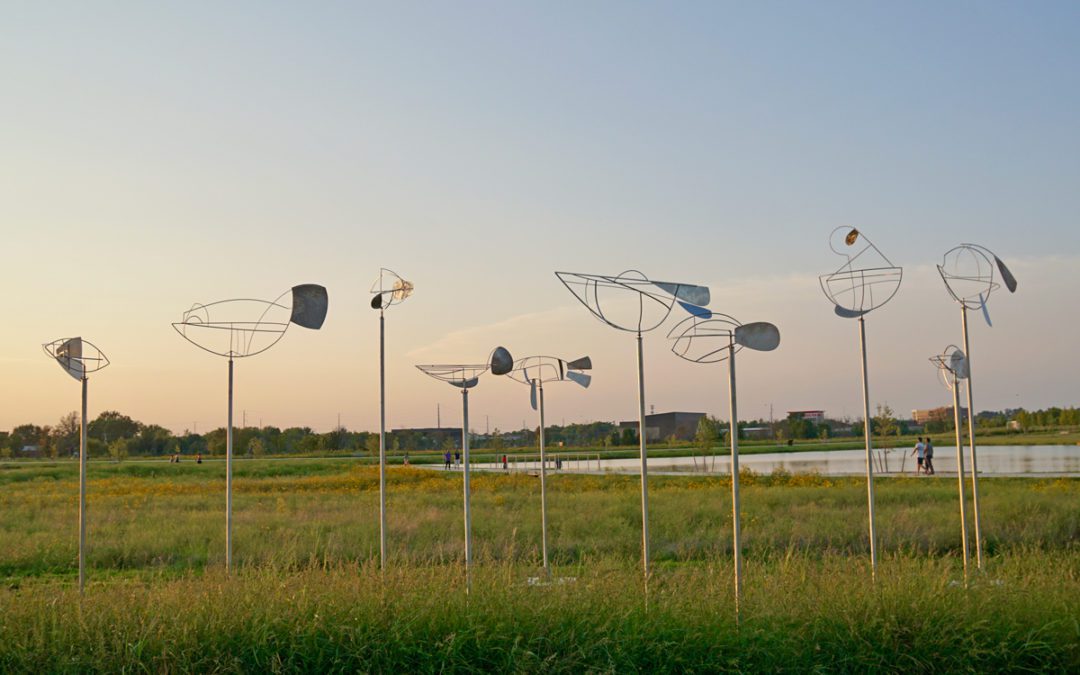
(308, 594)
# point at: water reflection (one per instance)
(994, 460)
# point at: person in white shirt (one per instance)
(920, 454)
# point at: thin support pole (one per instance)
(82, 491)
(465, 454)
(971, 441)
(382, 442)
(733, 433)
(228, 476)
(644, 459)
(869, 449)
(543, 483)
(960, 470)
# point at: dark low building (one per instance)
(660, 426)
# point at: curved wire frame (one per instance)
(243, 327)
(389, 289)
(78, 357)
(867, 279)
(655, 299)
(968, 273)
(544, 369)
(707, 340)
(466, 376)
(951, 362)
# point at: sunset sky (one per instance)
(154, 156)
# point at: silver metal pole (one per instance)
(465, 454)
(644, 459)
(869, 449)
(971, 440)
(960, 470)
(382, 441)
(228, 476)
(733, 433)
(543, 483)
(82, 491)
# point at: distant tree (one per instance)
(885, 422)
(66, 434)
(256, 447)
(372, 444)
(118, 449)
(629, 437)
(449, 444)
(496, 442)
(706, 436)
(110, 425)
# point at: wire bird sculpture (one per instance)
(465, 377)
(388, 290)
(633, 303)
(953, 366)
(968, 273)
(243, 327)
(867, 280)
(713, 340)
(535, 371)
(79, 358)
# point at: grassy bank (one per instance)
(308, 595)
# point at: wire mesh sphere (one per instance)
(952, 362)
(867, 279)
(244, 327)
(389, 289)
(78, 357)
(631, 301)
(970, 274)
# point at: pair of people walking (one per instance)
(924, 456)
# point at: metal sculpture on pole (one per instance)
(79, 358)
(465, 377)
(388, 290)
(867, 280)
(245, 327)
(953, 366)
(633, 303)
(712, 339)
(968, 273)
(535, 371)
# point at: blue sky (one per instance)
(159, 155)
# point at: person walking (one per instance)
(928, 460)
(446, 460)
(920, 455)
(457, 458)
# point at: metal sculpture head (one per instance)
(631, 301)
(78, 357)
(535, 370)
(952, 362)
(389, 289)
(866, 280)
(968, 273)
(706, 340)
(466, 376)
(245, 327)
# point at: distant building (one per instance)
(815, 416)
(935, 414)
(659, 426)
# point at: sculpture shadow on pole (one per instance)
(388, 290)
(243, 327)
(969, 276)
(535, 371)
(713, 340)
(79, 358)
(864, 282)
(465, 377)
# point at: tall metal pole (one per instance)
(382, 441)
(869, 449)
(228, 475)
(465, 455)
(644, 459)
(82, 491)
(960, 470)
(733, 433)
(543, 482)
(971, 440)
